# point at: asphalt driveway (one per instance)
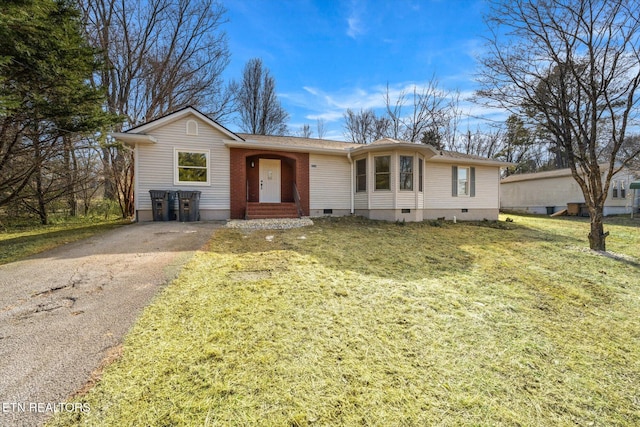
(64, 311)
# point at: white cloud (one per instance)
(315, 103)
(354, 27)
(355, 23)
(329, 116)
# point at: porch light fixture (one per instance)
(253, 164)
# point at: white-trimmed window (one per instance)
(191, 167)
(383, 172)
(361, 175)
(619, 190)
(192, 127)
(406, 173)
(463, 181)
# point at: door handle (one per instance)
(261, 184)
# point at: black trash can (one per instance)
(171, 199)
(159, 205)
(550, 210)
(162, 205)
(189, 206)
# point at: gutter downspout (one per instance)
(352, 192)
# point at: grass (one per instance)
(354, 322)
(20, 239)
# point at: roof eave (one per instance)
(176, 115)
(467, 161)
(367, 148)
(132, 139)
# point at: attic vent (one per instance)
(192, 127)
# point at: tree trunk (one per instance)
(41, 208)
(109, 185)
(70, 176)
(42, 205)
(597, 236)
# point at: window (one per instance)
(463, 181)
(361, 175)
(192, 127)
(406, 173)
(192, 167)
(383, 172)
(420, 175)
(614, 185)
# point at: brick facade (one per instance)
(295, 168)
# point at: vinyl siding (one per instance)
(155, 164)
(361, 201)
(406, 199)
(536, 194)
(329, 182)
(437, 188)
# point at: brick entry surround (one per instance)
(238, 168)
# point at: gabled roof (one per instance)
(141, 130)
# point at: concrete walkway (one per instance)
(63, 311)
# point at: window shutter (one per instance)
(454, 181)
(472, 185)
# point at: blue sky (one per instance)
(327, 56)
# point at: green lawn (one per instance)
(353, 322)
(22, 239)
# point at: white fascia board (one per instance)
(466, 161)
(425, 149)
(133, 138)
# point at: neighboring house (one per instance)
(535, 192)
(251, 176)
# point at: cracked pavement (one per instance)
(64, 310)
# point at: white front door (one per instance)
(269, 180)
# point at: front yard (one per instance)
(354, 322)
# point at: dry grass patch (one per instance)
(368, 323)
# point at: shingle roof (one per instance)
(558, 173)
(313, 143)
(299, 142)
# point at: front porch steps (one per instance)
(271, 210)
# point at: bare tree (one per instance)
(427, 114)
(573, 65)
(305, 131)
(364, 126)
(320, 128)
(159, 56)
(257, 101)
